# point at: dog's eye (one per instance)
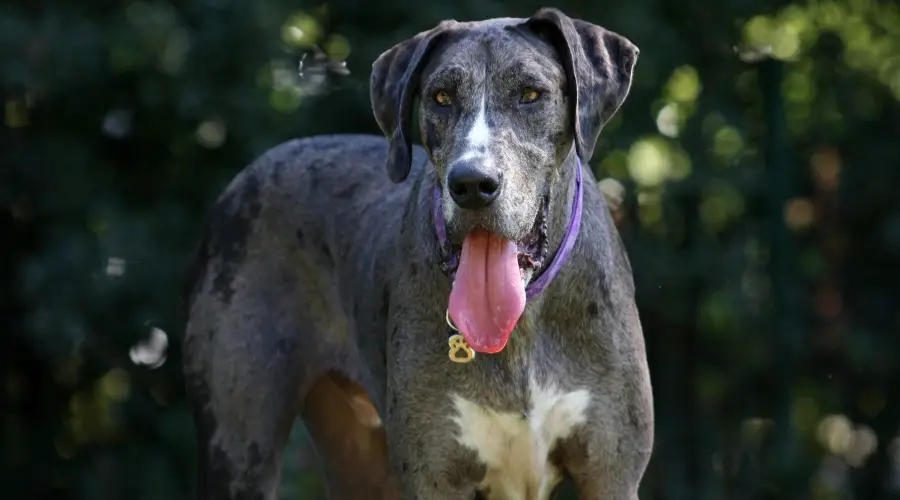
(442, 98)
(530, 95)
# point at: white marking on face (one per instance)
(515, 448)
(478, 139)
(479, 135)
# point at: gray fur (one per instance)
(315, 264)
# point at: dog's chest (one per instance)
(515, 447)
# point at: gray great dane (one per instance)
(464, 327)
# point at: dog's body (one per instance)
(319, 290)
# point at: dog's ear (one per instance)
(393, 87)
(598, 65)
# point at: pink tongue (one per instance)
(488, 295)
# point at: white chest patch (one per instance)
(515, 447)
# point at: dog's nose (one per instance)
(472, 188)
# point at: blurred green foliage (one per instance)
(754, 173)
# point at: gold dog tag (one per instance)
(460, 351)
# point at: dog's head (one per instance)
(501, 104)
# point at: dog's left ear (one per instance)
(598, 65)
(393, 87)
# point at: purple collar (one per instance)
(546, 273)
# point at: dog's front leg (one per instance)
(426, 461)
(607, 460)
(424, 452)
(615, 479)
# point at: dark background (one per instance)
(754, 172)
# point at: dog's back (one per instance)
(321, 184)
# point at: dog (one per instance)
(464, 327)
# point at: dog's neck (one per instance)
(563, 224)
(563, 191)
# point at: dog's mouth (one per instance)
(489, 282)
(532, 248)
